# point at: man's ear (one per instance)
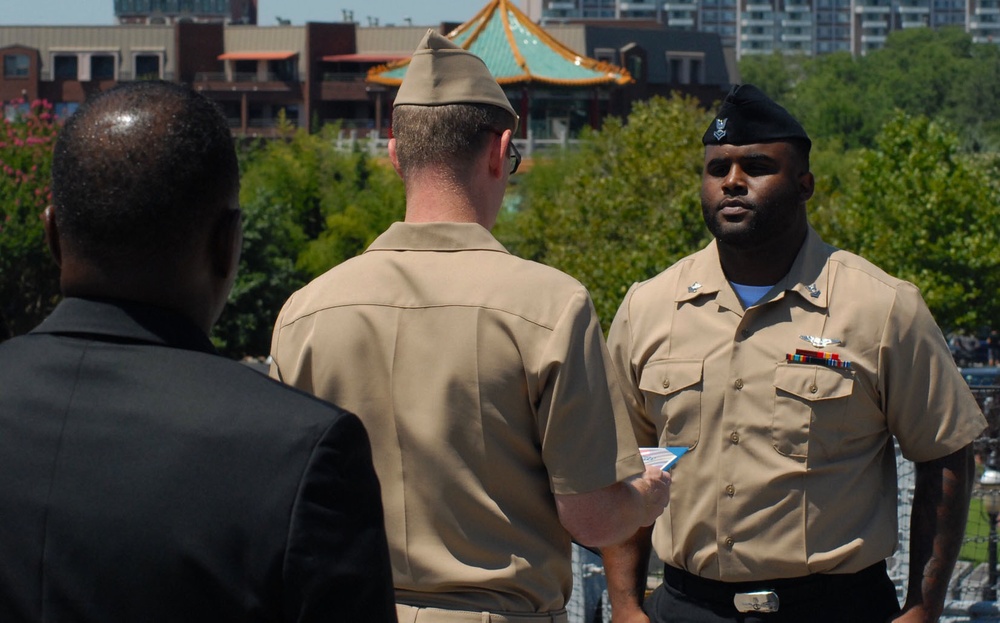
(807, 185)
(52, 234)
(394, 158)
(499, 147)
(227, 242)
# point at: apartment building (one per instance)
(808, 27)
(198, 11)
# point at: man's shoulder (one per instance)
(664, 283)
(473, 278)
(852, 270)
(197, 383)
(262, 397)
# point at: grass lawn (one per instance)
(977, 532)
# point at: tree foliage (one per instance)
(938, 73)
(29, 279)
(307, 207)
(927, 212)
(621, 208)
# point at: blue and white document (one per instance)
(664, 458)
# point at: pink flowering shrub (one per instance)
(29, 279)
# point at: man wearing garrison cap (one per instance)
(787, 367)
(483, 379)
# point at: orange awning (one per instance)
(257, 56)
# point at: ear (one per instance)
(394, 158)
(499, 146)
(52, 234)
(227, 243)
(807, 185)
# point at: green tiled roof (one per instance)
(516, 50)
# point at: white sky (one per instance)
(101, 12)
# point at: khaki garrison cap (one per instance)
(441, 73)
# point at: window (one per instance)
(16, 66)
(606, 55)
(65, 67)
(147, 66)
(686, 67)
(102, 67)
(635, 67)
(284, 71)
(695, 72)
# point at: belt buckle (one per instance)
(757, 601)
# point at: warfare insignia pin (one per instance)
(720, 128)
(820, 342)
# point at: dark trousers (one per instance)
(868, 596)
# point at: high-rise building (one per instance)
(175, 11)
(807, 27)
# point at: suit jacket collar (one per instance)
(116, 320)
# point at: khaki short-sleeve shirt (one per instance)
(485, 385)
(791, 469)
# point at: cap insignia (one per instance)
(720, 128)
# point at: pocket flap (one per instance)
(814, 382)
(670, 375)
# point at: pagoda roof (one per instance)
(516, 51)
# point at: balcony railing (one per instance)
(240, 76)
(339, 76)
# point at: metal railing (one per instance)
(243, 76)
(376, 145)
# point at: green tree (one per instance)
(927, 212)
(776, 74)
(29, 279)
(307, 206)
(836, 101)
(620, 209)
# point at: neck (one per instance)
(161, 291)
(432, 198)
(762, 265)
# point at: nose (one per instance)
(734, 182)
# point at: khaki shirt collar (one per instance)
(808, 277)
(441, 236)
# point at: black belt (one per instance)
(789, 590)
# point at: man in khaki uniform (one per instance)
(482, 378)
(787, 366)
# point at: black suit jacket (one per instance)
(145, 478)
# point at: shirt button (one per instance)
(730, 541)
(666, 383)
(735, 437)
(813, 389)
(730, 490)
(738, 384)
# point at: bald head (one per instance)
(140, 169)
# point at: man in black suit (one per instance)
(142, 476)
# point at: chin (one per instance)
(734, 234)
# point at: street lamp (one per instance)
(990, 483)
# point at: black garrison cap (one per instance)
(748, 116)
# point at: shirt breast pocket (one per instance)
(810, 401)
(672, 393)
